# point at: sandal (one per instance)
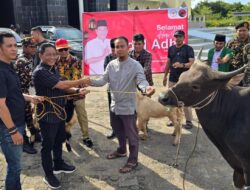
(115, 155)
(128, 167)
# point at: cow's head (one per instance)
(198, 82)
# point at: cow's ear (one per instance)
(236, 79)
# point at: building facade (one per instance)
(158, 4)
(30, 13)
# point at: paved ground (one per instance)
(206, 169)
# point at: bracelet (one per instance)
(14, 132)
(10, 130)
(77, 90)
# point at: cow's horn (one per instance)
(199, 54)
(229, 75)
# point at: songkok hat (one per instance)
(101, 23)
(220, 38)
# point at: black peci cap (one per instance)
(101, 23)
(220, 38)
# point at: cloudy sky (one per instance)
(194, 2)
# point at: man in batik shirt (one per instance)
(70, 68)
(24, 68)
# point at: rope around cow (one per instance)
(59, 111)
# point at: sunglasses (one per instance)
(63, 49)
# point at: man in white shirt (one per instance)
(97, 49)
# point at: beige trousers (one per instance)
(187, 110)
(82, 117)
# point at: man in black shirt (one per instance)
(12, 111)
(37, 36)
(180, 59)
(48, 83)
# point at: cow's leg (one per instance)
(172, 119)
(238, 179)
(145, 131)
(246, 172)
(177, 127)
(247, 179)
(141, 124)
(177, 131)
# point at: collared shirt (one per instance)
(23, 68)
(123, 78)
(96, 48)
(11, 90)
(69, 68)
(182, 55)
(214, 64)
(45, 77)
(145, 59)
(237, 46)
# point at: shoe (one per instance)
(52, 182)
(27, 147)
(111, 135)
(64, 168)
(170, 124)
(188, 125)
(88, 142)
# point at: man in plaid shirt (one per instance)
(142, 56)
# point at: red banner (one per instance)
(157, 26)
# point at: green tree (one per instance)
(220, 13)
(246, 7)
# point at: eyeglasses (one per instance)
(63, 49)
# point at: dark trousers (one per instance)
(69, 108)
(29, 119)
(109, 100)
(125, 128)
(53, 135)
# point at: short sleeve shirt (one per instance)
(182, 55)
(45, 77)
(11, 90)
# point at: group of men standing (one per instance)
(54, 72)
(36, 66)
